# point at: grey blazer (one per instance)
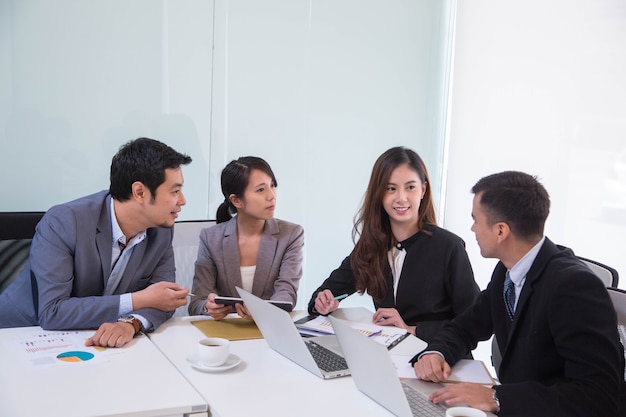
(278, 266)
(62, 285)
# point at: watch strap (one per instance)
(132, 320)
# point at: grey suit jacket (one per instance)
(278, 266)
(63, 282)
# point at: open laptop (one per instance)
(375, 375)
(281, 334)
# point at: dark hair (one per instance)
(369, 258)
(235, 178)
(143, 160)
(517, 199)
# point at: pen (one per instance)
(375, 333)
(189, 294)
(340, 297)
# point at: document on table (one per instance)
(465, 370)
(47, 348)
(388, 336)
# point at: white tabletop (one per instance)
(136, 380)
(265, 383)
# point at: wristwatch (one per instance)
(132, 320)
(496, 400)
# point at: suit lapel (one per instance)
(547, 251)
(232, 260)
(104, 240)
(265, 257)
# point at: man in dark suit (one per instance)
(553, 318)
(105, 261)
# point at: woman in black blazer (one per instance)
(417, 273)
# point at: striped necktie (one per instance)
(509, 295)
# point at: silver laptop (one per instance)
(281, 334)
(375, 375)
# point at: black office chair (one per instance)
(608, 276)
(16, 233)
(618, 297)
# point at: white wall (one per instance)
(318, 88)
(78, 79)
(539, 87)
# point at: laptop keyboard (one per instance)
(327, 360)
(420, 405)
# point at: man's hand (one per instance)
(432, 367)
(474, 395)
(164, 295)
(112, 335)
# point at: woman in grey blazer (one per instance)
(247, 248)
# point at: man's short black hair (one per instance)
(144, 160)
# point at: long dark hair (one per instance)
(235, 178)
(372, 227)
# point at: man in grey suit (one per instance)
(105, 261)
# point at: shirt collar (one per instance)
(521, 268)
(406, 243)
(118, 235)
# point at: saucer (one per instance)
(231, 362)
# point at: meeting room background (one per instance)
(320, 88)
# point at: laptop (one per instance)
(375, 375)
(281, 334)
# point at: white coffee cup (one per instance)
(213, 351)
(464, 412)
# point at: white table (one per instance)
(136, 380)
(265, 383)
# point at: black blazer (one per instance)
(436, 282)
(561, 354)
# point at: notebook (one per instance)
(282, 335)
(374, 374)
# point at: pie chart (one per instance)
(75, 356)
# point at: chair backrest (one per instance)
(16, 233)
(608, 275)
(185, 245)
(618, 297)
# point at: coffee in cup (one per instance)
(213, 351)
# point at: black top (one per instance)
(436, 283)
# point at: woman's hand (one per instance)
(389, 317)
(243, 311)
(325, 302)
(217, 311)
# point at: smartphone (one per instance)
(285, 305)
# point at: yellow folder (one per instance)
(229, 328)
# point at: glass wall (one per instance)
(318, 88)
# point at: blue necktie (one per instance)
(509, 295)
